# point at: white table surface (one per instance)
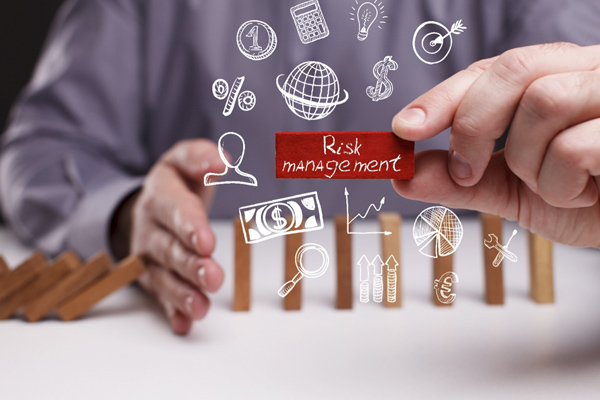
(123, 349)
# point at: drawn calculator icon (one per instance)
(310, 22)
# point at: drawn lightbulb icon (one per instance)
(366, 15)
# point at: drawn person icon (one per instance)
(238, 176)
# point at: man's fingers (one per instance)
(433, 112)
(568, 175)
(168, 200)
(497, 194)
(165, 249)
(489, 105)
(550, 105)
(175, 295)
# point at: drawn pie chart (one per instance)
(437, 232)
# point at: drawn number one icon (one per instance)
(254, 35)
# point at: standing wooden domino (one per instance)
(293, 300)
(344, 263)
(390, 254)
(62, 266)
(241, 296)
(3, 266)
(494, 282)
(93, 269)
(22, 275)
(541, 269)
(441, 265)
(124, 274)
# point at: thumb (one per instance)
(433, 112)
(194, 158)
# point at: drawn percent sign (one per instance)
(246, 100)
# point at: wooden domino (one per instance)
(344, 263)
(541, 269)
(494, 282)
(23, 274)
(241, 297)
(3, 266)
(293, 300)
(126, 273)
(441, 265)
(62, 266)
(93, 269)
(390, 246)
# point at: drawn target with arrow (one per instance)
(432, 41)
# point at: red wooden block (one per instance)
(343, 155)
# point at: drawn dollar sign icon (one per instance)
(383, 88)
(279, 220)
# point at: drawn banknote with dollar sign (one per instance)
(384, 87)
(270, 219)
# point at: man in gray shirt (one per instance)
(109, 143)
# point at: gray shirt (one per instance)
(121, 81)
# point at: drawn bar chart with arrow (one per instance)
(362, 216)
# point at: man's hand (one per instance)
(167, 223)
(547, 178)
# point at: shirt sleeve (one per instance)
(74, 147)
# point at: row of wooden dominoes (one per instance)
(540, 260)
(66, 284)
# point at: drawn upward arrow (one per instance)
(395, 263)
(363, 265)
(377, 267)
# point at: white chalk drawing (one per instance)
(432, 41)
(384, 87)
(437, 231)
(311, 90)
(251, 35)
(268, 220)
(392, 278)
(363, 270)
(378, 280)
(303, 272)
(503, 252)
(310, 21)
(246, 100)
(366, 15)
(443, 287)
(377, 264)
(241, 178)
(362, 216)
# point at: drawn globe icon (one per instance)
(311, 90)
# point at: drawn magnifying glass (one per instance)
(303, 272)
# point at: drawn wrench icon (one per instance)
(492, 243)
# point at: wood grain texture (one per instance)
(344, 264)
(343, 155)
(293, 300)
(541, 269)
(93, 269)
(62, 266)
(241, 289)
(22, 275)
(390, 246)
(3, 266)
(494, 279)
(441, 265)
(124, 274)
